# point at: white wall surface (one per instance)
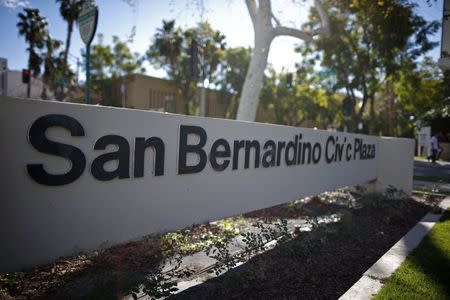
(395, 164)
(15, 87)
(40, 223)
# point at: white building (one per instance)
(11, 83)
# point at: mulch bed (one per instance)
(322, 264)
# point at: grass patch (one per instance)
(432, 179)
(424, 273)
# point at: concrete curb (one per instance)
(371, 281)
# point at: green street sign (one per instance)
(61, 80)
(326, 73)
(87, 21)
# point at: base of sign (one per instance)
(396, 152)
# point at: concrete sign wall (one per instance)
(75, 177)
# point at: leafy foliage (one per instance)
(112, 62)
(369, 44)
(171, 50)
(33, 27)
(303, 103)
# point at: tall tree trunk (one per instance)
(372, 115)
(353, 118)
(29, 80)
(254, 79)
(389, 109)
(68, 39)
(65, 72)
(262, 16)
(185, 93)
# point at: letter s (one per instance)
(40, 142)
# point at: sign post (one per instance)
(423, 141)
(87, 23)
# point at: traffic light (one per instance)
(25, 76)
(289, 83)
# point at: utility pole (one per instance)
(78, 71)
(203, 77)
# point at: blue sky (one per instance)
(118, 18)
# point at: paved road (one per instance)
(439, 169)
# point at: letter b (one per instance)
(184, 149)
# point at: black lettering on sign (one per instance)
(348, 154)
(139, 152)
(248, 146)
(237, 145)
(268, 159)
(329, 153)
(306, 146)
(37, 138)
(357, 147)
(122, 155)
(280, 148)
(291, 145)
(317, 152)
(339, 151)
(185, 131)
(216, 153)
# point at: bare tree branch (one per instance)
(265, 5)
(265, 11)
(303, 35)
(275, 19)
(252, 10)
(323, 18)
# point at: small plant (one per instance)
(11, 281)
(157, 285)
(392, 192)
(318, 229)
(339, 197)
(221, 253)
(373, 200)
(254, 243)
(361, 189)
(432, 198)
(346, 224)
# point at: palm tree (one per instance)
(52, 64)
(167, 44)
(33, 28)
(69, 10)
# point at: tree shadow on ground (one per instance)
(321, 264)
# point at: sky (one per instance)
(118, 17)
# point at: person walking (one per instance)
(434, 148)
